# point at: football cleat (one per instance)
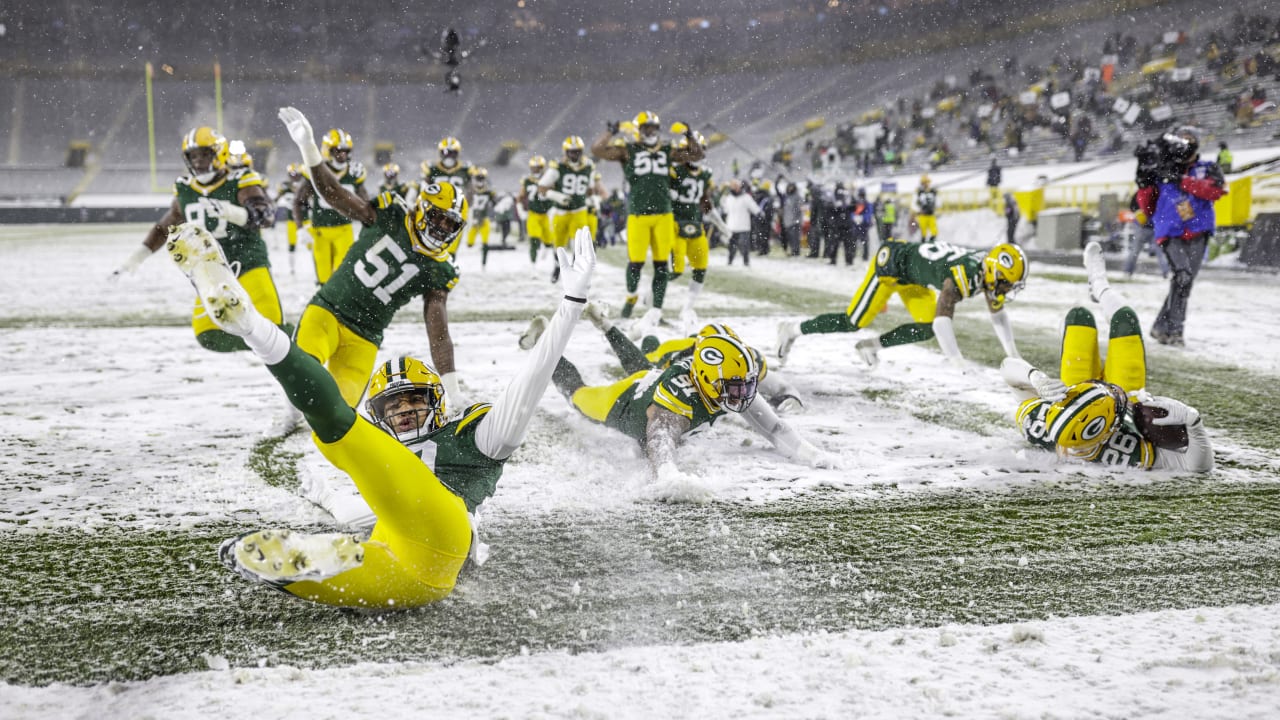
(689, 321)
(189, 244)
(225, 300)
(529, 338)
(787, 333)
(869, 350)
(281, 557)
(1096, 269)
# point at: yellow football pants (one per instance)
(262, 291)
(595, 401)
(538, 225)
(348, 357)
(565, 224)
(291, 233)
(873, 296)
(696, 250)
(650, 233)
(330, 246)
(928, 226)
(482, 230)
(1126, 358)
(422, 537)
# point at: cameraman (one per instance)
(1177, 191)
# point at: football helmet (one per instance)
(717, 329)
(450, 150)
(1081, 422)
(1004, 272)
(537, 165)
(391, 172)
(294, 171)
(925, 182)
(406, 398)
(336, 147)
(479, 178)
(205, 153)
(725, 371)
(238, 156)
(573, 147)
(684, 143)
(437, 219)
(647, 125)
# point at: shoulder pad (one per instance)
(473, 413)
(553, 164)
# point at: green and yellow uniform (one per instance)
(624, 405)
(286, 191)
(575, 183)
(406, 190)
(459, 175)
(240, 245)
(926, 213)
(331, 230)
(538, 223)
(650, 227)
(343, 324)
(914, 272)
(479, 215)
(1126, 448)
(690, 185)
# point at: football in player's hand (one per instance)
(1169, 437)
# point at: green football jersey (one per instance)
(1125, 448)
(671, 388)
(690, 185)
(459, 175)
(381, 272)
(647, 171)
(537, 203)
(241, 245)
(481, 208)
(322, 213)
(930, 264)
(574, 182)
(452, 455)
(927, 201)
(406, 190)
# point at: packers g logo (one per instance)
(1005, 260)
(1094, 428)
(690, 228)
(711, 356)
(431, 189)
(882, 257)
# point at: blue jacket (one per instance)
(1168, 222)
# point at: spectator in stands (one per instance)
(1224, 157)
(1011, 217)
(1184, 221)
(994, 176)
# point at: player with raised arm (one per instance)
(914, 271)
(401, 254)
(331, 231)
(1100, 411)
(421, 473)
(646, 164)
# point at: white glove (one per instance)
(131, 263)
(575, 275)
(809, 454)
(789, 405)
(1048, 388)
(233, 213)
(300, 130)
(1180, 413)
(556, 197)
(869, 350)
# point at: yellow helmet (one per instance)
(479, 177)
(1087, 417)
(725, 371)
(437, 218)
(339, 140)
(294, 171)
(925, 181)
(1004, 272)
(400, 377)
(573, 147)
(197, 142)
(391, 172)
(717, 329)
(449, 147)
(647, 126)
(684, 140)
(537, 164)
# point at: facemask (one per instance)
(449, 162)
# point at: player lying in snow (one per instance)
(658, 407)
(1099, 411)
(419, 473)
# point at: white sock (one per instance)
(694, 289)
(267, 341)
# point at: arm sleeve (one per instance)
(766, 422)
(662, 435)
(946, 334)
(1198, 457)
(504, 426)
(1004, 331)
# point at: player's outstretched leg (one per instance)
(280, 557)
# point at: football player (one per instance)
(914, 271)
(690, 200)
(568, 184)
(646, 165)
(1100, 410)
(238, 157)
(391, 183)
(331, 230)
(286, 192)
(233, 206)
(659, 407)
(483, 203)
(402, 253)
(420, 473)
(449, 167)
(925, 208)
(536, 207)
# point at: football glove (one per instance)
(300, 130)
(786, 404)
(1048, 388)
(1179, 413)
(575, 272)
(230, 212)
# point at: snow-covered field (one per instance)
(602, 601)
